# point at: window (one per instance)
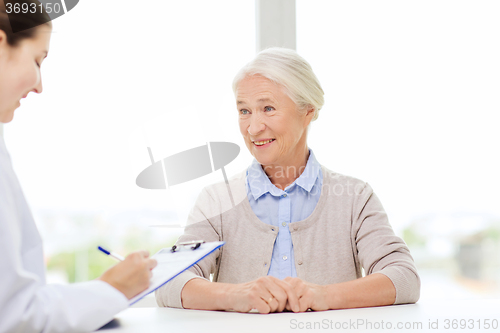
(412, 108)
(120, 79)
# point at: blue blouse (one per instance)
(280, 208)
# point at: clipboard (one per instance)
(175, 260)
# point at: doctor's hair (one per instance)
(288, 69)
(26, 23)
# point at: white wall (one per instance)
(412, 107)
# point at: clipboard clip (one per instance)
(192, 245)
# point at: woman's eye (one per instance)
(244, 111)
(268, 108)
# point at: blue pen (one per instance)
(111, 254)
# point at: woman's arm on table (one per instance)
(372, 290)
(266, 294)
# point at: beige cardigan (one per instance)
(347, 230)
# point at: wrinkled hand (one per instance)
(311, 296)
(132, 275)
(266, 294)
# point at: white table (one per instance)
(442, 313)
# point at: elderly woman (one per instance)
(303, 233)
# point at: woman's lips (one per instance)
(263, 145)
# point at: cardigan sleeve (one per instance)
(203, 223)
(380, 250)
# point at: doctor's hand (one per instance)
(311, 296)
(266, 294)
(132, 275)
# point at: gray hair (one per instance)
(288, 69)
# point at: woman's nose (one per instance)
(256, 126)
(39, 87)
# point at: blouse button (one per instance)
(283, 224)
(284, 195)
(285, 257)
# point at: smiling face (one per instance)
(274, 130)
(20, 70)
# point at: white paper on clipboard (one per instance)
(171, 264)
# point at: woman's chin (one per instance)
(264, 156)
(262, 159)
(7, 116)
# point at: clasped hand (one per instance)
(269, 294)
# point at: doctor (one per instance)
(27, 303)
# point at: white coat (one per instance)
(27, 303)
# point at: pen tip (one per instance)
(103, 250)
